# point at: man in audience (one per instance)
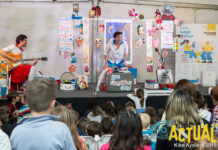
(41, 131)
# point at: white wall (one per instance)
(39, 20)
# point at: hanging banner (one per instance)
(65, 35)
(149, 60)
(86, 68)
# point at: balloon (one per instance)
(168, 9)
(156, 43)
(178, 22)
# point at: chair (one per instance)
(90, 142)
(103, 140)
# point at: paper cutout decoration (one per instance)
(175, 45)
(92, 14)
(79, 42)
(72, 68)
(156, 43)
(132, 13)
(98, 42)
(97, 10)
(168, 9)
(101, 28)
(73, 60)
(140, 29)
(138, 43)
(75, 7)
(178, 22)
(141, 17)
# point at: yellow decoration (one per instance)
(211, 27)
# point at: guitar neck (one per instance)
(30, 59)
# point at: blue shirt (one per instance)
(41, 133)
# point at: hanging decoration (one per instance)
(133, 14)
(178, 22)
(140, 29)
(98, 42)
(72, 68)
(86, 46)
(97, 10)
(101, 29)
(175, 45)
(79, 41)
(75, 14)
(149, 59)
(158, 19)
(168, 12)
(92, 14)
(139, 43)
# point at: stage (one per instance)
(79, 98)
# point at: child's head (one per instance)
(145, 118)
(187, 86)
(13, 97)
(109, 108)
(187, 42)
(4, 118)
(93, 128)
(97, 111)
(41, 94)
(199, 100)
(207, 42)
(160, 113)
(214, 95)
(140, 94)
(23, 99)
(82, 123)
(107, 125)
(152, 113)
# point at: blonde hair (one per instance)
(181, 109)
(131, 109)
(67, 117)
(145, 119)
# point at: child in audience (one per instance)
(25, 109)
(13, 97)
(4, 139)
(96, 114)
(67, 116)
(146, 132)
(127, 134)
(82, 125)
(139, 98)
(94, 128)
(214, 118)
(107, 125)
(160, 113)
(152, 113)
(110, 109)
(41, 131)
(199, 99)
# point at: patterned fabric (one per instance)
(24, 112)
(215, 119)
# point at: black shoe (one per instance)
(203, 61)
(210, 61)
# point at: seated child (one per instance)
(139, 98)
(25, 109)
(94, 128)
(13, 98)
(96, 114)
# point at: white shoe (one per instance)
(97, 89)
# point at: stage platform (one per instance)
(79, 98)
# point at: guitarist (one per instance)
(22, 72)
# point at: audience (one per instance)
(41, 130)
(109, 109)
(139, 98)
(152, 113)
(7, 127)
(127, 133)
(4, 139)
(67, 116)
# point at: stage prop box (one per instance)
(134, 72)
(119, 82)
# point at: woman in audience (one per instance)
(199, 99)
(94, 128)
(66, 116)
(127, 134)
(153, 115)
(96, 114)
(7, 127)
(214, 118)
(181, 110)
(139, 98)
(187, 86)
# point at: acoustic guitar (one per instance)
(12, 65)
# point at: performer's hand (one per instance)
(124, 63)
(14, 60)
(34, 62)
(105, 66)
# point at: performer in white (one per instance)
(115, 54)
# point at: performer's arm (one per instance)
(4, 54)
(125, 57)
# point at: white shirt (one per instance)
(4, 141)
(114, 54)
(137, 101)
(204, 114)
(13, 49)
